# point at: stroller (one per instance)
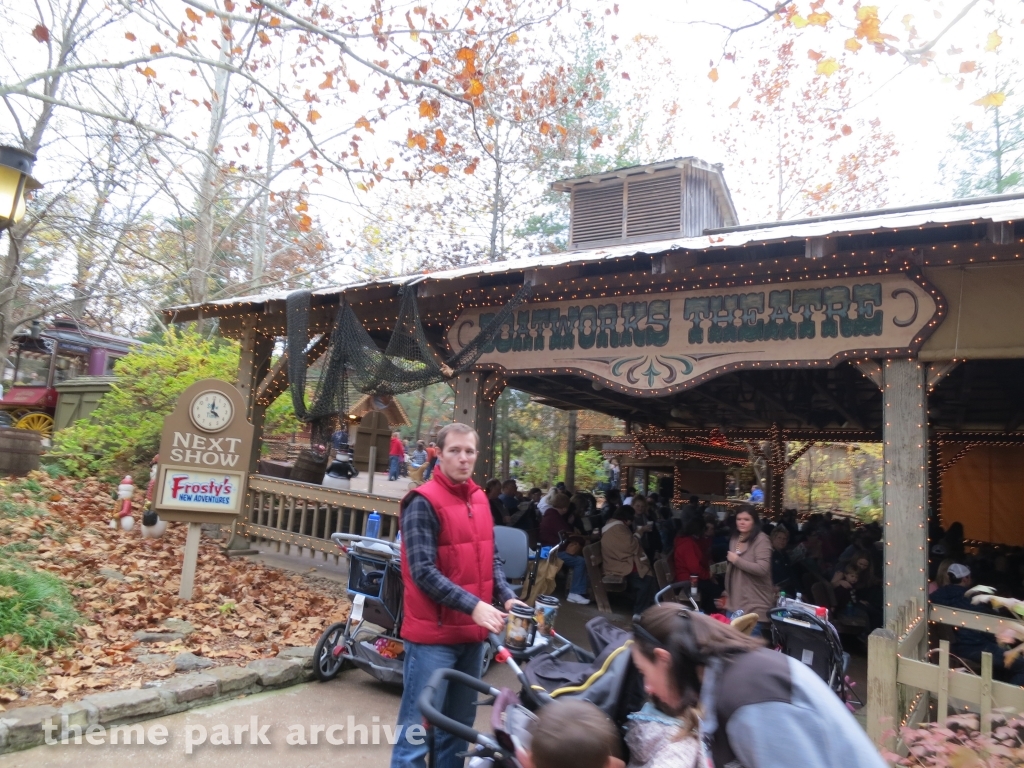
(369, 638)
(606, 677)
(798, 631)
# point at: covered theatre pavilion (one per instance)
(904, 326)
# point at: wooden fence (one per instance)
(902, 680)
(300, 518)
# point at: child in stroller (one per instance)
(607, 679)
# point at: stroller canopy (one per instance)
(610, 682)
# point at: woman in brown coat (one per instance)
(748, 576)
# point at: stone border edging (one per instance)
(24, 728)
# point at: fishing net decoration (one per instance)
(354, 364)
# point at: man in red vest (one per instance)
(450, 575)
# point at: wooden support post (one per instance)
(942, 712)
(371, 467)
(475, 396)
(253, 366)
(883, 702)
(904, 454)
(188, 566)
(986, 693)
(570, 454)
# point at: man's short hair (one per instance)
(574, 733)
(510, 484)
(455, 428)
(492, 484)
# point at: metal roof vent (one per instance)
(677, 198)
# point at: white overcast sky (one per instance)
(919, 106)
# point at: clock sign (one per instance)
(206, 451)
(211, 411)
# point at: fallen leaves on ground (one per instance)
(240, 610)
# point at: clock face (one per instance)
(211, 411)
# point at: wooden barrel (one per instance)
(20, 450)
(309, 468)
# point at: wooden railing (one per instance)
(300, 517)
(902, 680)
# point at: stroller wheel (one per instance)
(330, 651)
(488, 658)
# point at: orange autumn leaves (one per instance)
(122, 583)
(870, 25)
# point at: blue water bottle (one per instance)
(373, 525)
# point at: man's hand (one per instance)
(514, 601)
(488, 617)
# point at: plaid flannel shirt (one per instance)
(420, 528)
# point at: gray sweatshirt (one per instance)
(776, 713)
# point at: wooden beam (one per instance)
(872, 370)
(570, 454)
(883, 694)
(904, 430)
(848, 415)
(938, 371)
(727, 406)
(276, 381)
(476, 394)
(819, 247)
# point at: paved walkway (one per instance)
(381, 485)
(353, 694)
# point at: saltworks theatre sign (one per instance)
(658, 343)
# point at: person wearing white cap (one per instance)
(969, 644)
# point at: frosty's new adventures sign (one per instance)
(204, 454)
(187, 490)
(657, 343)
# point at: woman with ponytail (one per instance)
(758, 708)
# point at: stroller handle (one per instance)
(337, 538)
(433, 715)
(670, 590)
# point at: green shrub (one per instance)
(589, 469)
(124, 430)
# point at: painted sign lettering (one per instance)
(663, 342)
(190, 489)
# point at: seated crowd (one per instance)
(831, 560)
(826, 559)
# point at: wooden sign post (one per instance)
(202, 473)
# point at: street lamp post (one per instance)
(15, 181)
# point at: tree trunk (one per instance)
(11, 315)
(419, 419)
(506, 441)
(570, 453)
(259, 249)
(206, 198)
(492, 253)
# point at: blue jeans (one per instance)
(459, 703)
(393, 463)
(579, 582)
(645, 589)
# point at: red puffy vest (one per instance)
(465, 554)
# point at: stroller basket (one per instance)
(381, 583)
(367, 658)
